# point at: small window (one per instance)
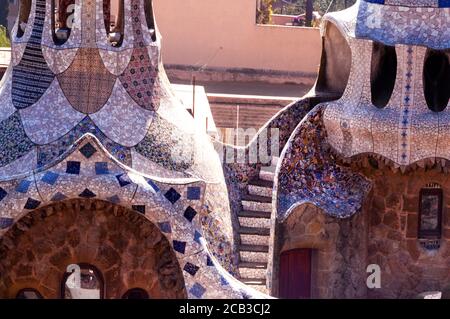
(24, 14)
(136, 293)
(82, 281)
(436, 80)
(29, 293)
(430, 212)
(62, 20)
(113, 14)
(383, 73)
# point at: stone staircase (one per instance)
(254, 230)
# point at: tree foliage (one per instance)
(264, 11)
(296, 7)
(4, 41)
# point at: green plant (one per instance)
(4, 41)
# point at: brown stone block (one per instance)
(393, 200)
(412, 248)
(391, 219)
(411, 203)
(412, 226)
(447, 233)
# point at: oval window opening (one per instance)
(113, 11)
(148, 7)
(334, 69)
(24, 14)
(436, 80)
(62, 20)
(383, 73)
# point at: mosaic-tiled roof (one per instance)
(51, 95)
(394, 22)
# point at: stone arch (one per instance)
(128, 250)
(337, 262)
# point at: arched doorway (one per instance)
(116, 249)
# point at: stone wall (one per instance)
(407, 268)
(339, 251)
(129, 251)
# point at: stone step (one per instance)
(260, 288)
(253, 265)
(257, 198)
(257, 206)
(261, 183)
(254, 231)
(275, 161)
(250, 256)
(254, 239)
(254, 281)
(254, 248)
(266, 175)
(252, 272)
(259, 190)
(254, 222)
(254, 214)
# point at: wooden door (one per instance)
(295, 274)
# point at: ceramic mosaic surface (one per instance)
(405, 131)
(86, 119)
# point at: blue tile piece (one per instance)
(5, 222)
(209, 261)
(444, 3)
(58, 197)
(3, 194)
(73, 167)
(101, 168)
(114, 199)
(32, 203)
(88, 150)
(172, 195)
(190, 213)
(50, 178)
(376, 1)
(223, 281)
(122, 181)
(193, 193)
(165, 227)
(87, 193)
(153, 185)
(197, 290)
(23, 186)
(197, 237)
(139, 208)
(179, 246)
(191, 268)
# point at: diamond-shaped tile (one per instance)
(197, 290)
(193, 193)
(165, 227)
(191, 268)
(3, 194)
(223, 281)
(23, 186)
(50, 178)
(32, 203)
(139, 208)
(179, 246)
(197, 237)
(87, 193)
(101, 168)
(58, 197)
(190, 213)
(5, 222)
(172, 195)
(88, 150)
(73, 167)
(122, 181)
